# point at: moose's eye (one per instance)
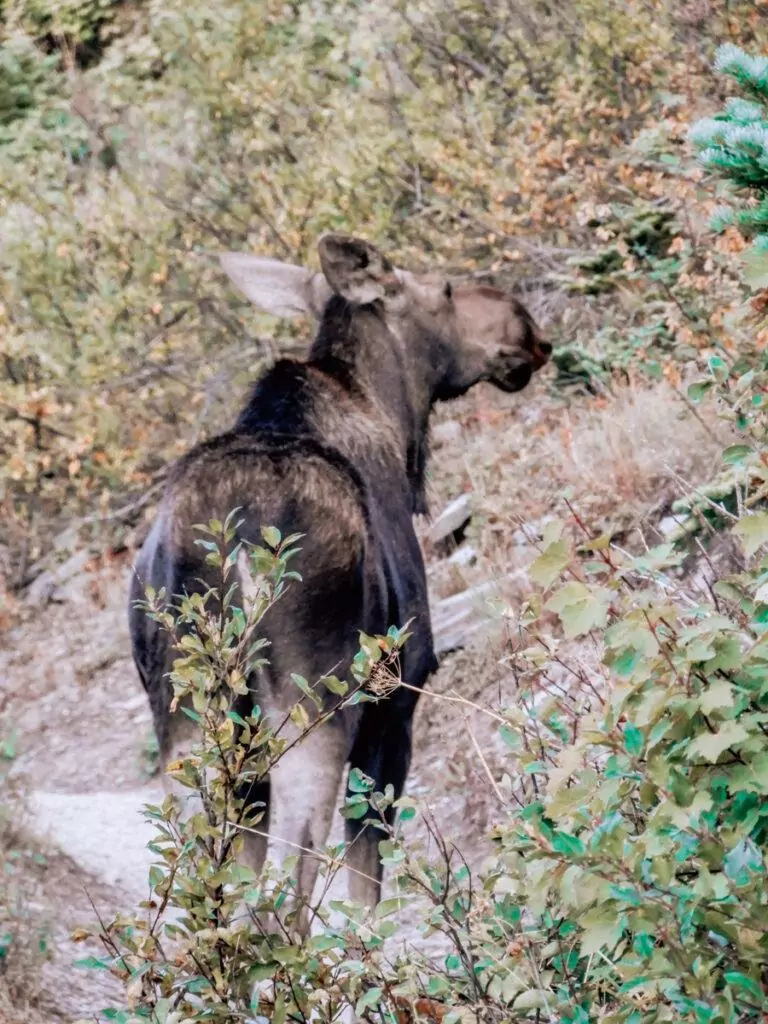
(448, 290)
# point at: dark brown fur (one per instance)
(334, 448)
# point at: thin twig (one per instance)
(454, 699)
(333, 862)
(484, 763)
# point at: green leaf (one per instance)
(271, 536)
(322, 943)
(553, 531)
(359, 782)
(8, 747)
(570, 593)
(627, 662)
(156, 876)
(533, 999)
(299, 717)
(735, 454)
(306, 689)
(406, 808)
(753, 530)
(196, 985)
(710, 745)
(633, 740)
(511, 738)
(390, 852)
(601, 929)
(743, 981)
(438, 985)
(92, 963)
(391, 906)
(626, 894)
(580, 608)
(239, 621)
(659, 557)
(744, 861)
(367, 1000)
(335, 685)
(355, 807)
(550, 563)
(698, 390)
(718, 694)
(567, 844)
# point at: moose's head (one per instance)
(469, 332)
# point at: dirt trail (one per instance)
(84, 732)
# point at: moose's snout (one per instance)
(541, 351)
(515, 374)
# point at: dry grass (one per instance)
(620, 460)
(633, 451)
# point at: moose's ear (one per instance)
(356, 270)
(281, 289)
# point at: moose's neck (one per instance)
(391, 374)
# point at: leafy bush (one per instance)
(627, 877)
(24, 75)
(212, 929)
(83, 27)
(23, 932)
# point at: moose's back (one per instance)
(297, 486)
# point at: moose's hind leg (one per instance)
(256, 798)
(383, 751)
(305, 784)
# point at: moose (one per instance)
(333, 447)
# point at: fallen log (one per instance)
(456, 619)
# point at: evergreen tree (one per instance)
(734, 145)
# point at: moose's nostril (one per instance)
(545, 347)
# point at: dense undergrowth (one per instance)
(24, 935)
(540, 145)
(544, 146)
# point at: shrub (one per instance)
(23, 932)
(627, 878)
(24, 75)
(212, 929)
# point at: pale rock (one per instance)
(451, 519)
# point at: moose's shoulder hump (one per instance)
(280, 402)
